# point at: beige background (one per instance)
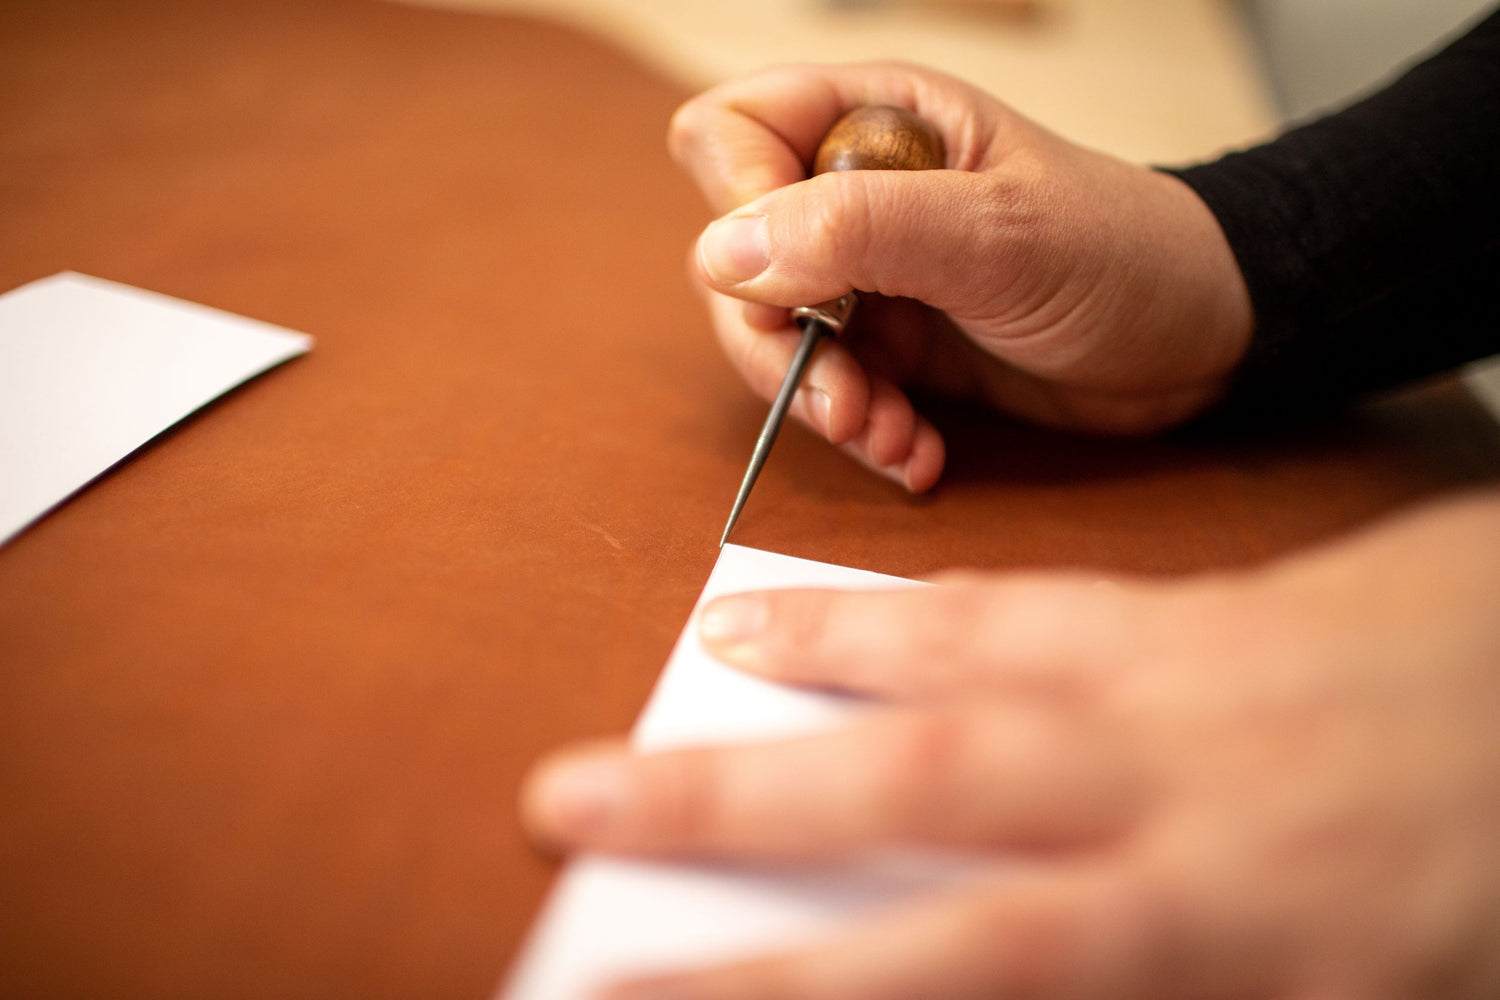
(1150, 80)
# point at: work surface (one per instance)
(267, 689)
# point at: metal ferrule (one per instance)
(833, 314)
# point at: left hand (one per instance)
(1282, 783)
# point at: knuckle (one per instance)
(685, 128)
(859, 228)
(1040, 949)
(1148, 925)
(920, 757)
(685, 802)
(833, 224)
(944, 634)
(1006, 226)
(798, 628)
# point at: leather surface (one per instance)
(268, 687)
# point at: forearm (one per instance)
(1370, 239)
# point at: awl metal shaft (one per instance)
(812, 331)
(868, 138)
(819, 321)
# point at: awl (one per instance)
(868, 138)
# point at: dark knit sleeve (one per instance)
(1370, 239)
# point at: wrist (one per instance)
(1216, 300)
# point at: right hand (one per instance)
(1053, 282)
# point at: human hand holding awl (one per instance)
(868, 138)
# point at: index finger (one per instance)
(748, 137)
(1057, 634)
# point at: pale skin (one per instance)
(1064, 286)
(1280, 783)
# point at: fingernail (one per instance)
(904, 471)
(822, 408)
(732, 619)
(582, 796)
(895, 472)
(817, 407)
(735, 249)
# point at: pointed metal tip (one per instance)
(739, 500)
(812, 331)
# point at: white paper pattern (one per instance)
(90, 370)
(609, 917)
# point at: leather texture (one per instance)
(267, 688)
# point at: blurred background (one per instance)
(1146, 79)
(1316, 53)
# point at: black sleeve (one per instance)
(1370, 239)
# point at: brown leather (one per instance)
(269, 686)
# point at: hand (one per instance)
(1055, 283)
(1280, 784)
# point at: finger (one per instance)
(993, 777)
(767, 319)
(732, 155)
(745, 138)
(834, 397)
(956, 241)
(1075, 935)
(868, 416)
(897, 442)
(1062, 635)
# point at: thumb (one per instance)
(933, 235)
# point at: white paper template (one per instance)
(609, 917)
(90, 370)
